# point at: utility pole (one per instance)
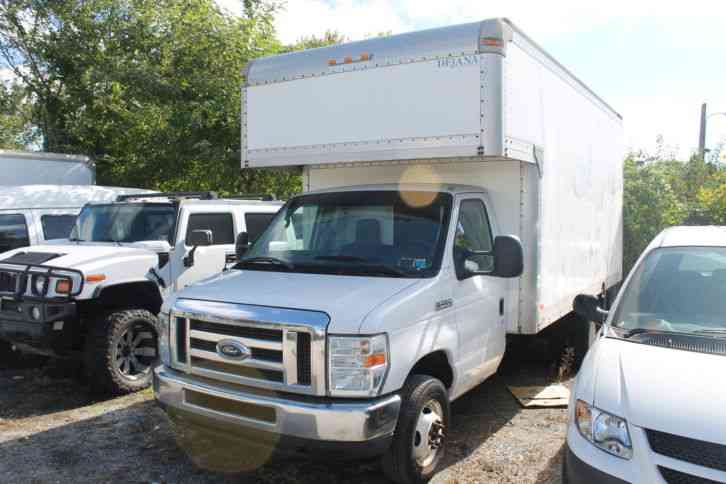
(702, 134)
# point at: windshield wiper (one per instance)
(265, 260)
(367, 265)
(342, 258)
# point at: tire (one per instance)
(409, 460)
(121, 351)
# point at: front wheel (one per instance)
(121, 350)
(419, 442)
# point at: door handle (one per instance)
(501, 307)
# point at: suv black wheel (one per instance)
(121, 350)
(419, 442)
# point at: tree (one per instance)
(149, 89)
(15, 129)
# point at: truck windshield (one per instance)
(679, 289)
(369, 233)
(131, 222)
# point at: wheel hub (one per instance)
(135, 351)
(429, 433)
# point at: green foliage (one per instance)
(664, 192)
(149, 89)
(15, 129)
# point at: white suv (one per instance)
(95, 296)
(649, 403)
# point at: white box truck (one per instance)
(460, 185)
(33, 168)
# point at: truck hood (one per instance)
(670, 390)
(345, 299)
(83, 256)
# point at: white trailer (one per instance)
(32, 168)
(479, 104)
(459, 184)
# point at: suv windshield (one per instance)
(376, 233)
(681, 289)
(131, 222)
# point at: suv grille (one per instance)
(699, 452)
(274, 354)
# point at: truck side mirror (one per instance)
(242, 244)
(508, 257)
(588, 308)
(198, 238)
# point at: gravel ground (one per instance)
(51, 430)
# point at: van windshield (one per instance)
(132, 222)
(679, 289)
(371, 233)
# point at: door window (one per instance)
(13, 232)
(256, 223)
(473, 233)
(57, 226)
(221, 225)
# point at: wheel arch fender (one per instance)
(141, 293)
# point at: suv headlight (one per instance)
(164, 349)
(604, 430)
(357, 365)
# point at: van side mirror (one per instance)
(508, 257)
(506, 260)
(588, 308)
(242, 244)
(198, 238)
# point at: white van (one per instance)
(649, 404)
(34, 214)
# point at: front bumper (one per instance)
(50, 332)
(576, 471)
(284, 421)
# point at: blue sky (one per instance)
(653, 61)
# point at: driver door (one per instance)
(207, 261)
(477, 298)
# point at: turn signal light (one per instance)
(95, 278)
(374, 360)
(63, 286)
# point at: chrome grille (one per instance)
(285, 348)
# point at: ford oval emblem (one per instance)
(233, 350)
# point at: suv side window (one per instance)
(221, 225)
(13, 232)
(57, 226)
(473, 232)
(256, 223)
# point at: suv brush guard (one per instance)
(22, 276)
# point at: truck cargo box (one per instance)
(479, 104)
(32, 168)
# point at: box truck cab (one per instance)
(459, 186)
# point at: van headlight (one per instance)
(604, 430)
(164, 348)
(357, 365)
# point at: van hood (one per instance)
(83, 257)
(345, 299)
(665, 389)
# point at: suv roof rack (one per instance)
(264, 197)
(196, 195)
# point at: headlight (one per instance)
(164, 349)
(357, 365)
(40, 284)
(606, 431)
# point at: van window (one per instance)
(57, 226)
(256, 223)
(221, 225)
(13, 232)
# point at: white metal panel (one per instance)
(407, 103)
(20, 168)
(580, 239)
